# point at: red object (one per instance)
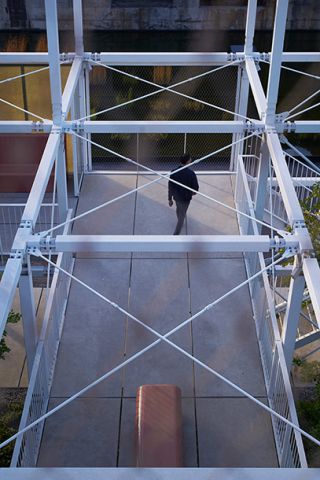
(20, 155)
(158, 426)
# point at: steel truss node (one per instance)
(74, 100)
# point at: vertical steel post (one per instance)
(87, 96)
(82, 111)
(292, 315)
(250, 26)
(54, 60)
(28, 312)
(262, 181)
(75, 149)
(242, 93)
(276, 58)
(62, 192)
(78, 26)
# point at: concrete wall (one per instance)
(159, 14)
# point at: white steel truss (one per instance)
(74, 99)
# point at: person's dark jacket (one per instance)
(186, 177)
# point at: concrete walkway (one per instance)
(221, 428)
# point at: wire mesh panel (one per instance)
(160, 151)
(116, 96)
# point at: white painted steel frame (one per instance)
(62, 103)
(99, 473)
(157, 58)
(162, 243)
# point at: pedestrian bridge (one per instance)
(217, 311)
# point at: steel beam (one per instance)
(276, 58)
(54, 59)
(165, 126)
(311, 273)
(300, 57)
(12, 126)
(8, 284)
(41, 180)
(156, 58)
(132, 473)
(304, 126)
(256, 87)
(307, 339)
(161, 58)
(162, 243)
(70, 87)
(24, 58)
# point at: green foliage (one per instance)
(9, 423)
(297, 361)
(13, 317)
(309, 410)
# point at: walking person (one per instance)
(182, 196)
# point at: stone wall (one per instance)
(159, 14)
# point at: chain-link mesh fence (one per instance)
(109, 88)
(160, 151)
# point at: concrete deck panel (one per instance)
(83, 434)
(162, 290)
(224, 337)
(114, 219)
(234, 432)
(159, 297)
(94, 334)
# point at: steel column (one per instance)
(250, 26)
(62, 192)
(8, 284)
(262, 182)
(82, 112)
(54, 59)
(288, 193)
(87, 97)
(75, 141)
(78, 26)
(256, 87)
(41, 180)
(28, 312)
(311, 273)
(69, 89)
(292, 315)
(276, 58)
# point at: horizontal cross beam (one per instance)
(154, 58)
(160, 243)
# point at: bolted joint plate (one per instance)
(20, 240)
(37, 244)
(305, 244)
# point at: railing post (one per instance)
(28, 312)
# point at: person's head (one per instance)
(185, 159)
